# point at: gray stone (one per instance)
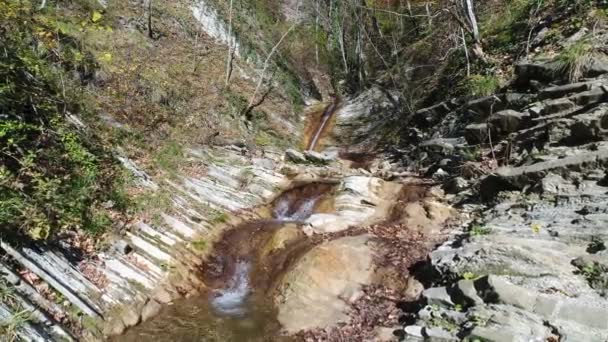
(438, 296)
(438, 145)
(318, 158)
(455, 185)
(519, 177)
(545, 306)
(114, 327)
(502, 323)
(436, 334)
(151, 309)
(122, 247)
(595, 95)
(589, 127)
(432, 115)
(561, 105)
(162, 296)
(515, 100)
(414, 331)
(597, 67)
(527, 71)
(468, 290)
(554, 184)
(295, 156)
(512, 294)
(564, 90)
(130, 317)
(484, 106)
(476, 133)
(584, 314)
(507, 121)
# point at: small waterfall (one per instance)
(327, 114)
(230, 301)
(284, 211)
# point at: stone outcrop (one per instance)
(316, 293)
(529, 264)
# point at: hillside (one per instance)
(303, 170)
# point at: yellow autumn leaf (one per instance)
(106, 57)
(96, 16)
(535, 227)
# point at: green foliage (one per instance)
(170, 156)
(52, 176)
(9, 328)
(574, 60)
(472, 154)
(199, 245)
(218, 217)
(477, 230)
(481, 85)
(596, 275)
(505, 26)
(469, 276)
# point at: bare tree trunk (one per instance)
(342, 48)
(230, 52)
(150, 33)
(473, 20)
(266, 64)
(317, 33)
(466, 51)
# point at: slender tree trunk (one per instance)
(230, 43)
(150, 33)
(472, 19)
(317, 33)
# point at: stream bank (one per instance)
(331, 242)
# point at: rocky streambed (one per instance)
(330, 243)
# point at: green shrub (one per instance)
(574, 60)
(53, 176)
(481, 85)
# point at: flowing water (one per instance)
(238, 306)
(321, 128)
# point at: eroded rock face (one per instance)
(317, 290)
(359, 200)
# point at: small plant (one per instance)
(199, 245)
(478, 230)
(170, 156)
(481, 85)
(472, 154)
(596, 276)
(9, 329)
(574, 60)
(469, 276)
(217, 217)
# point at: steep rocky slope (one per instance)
(531, 264)
(523, 168)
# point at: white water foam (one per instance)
(284, 212)
(231, 300)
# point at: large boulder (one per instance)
(476, 133)
(508, 121)
(317, 291)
